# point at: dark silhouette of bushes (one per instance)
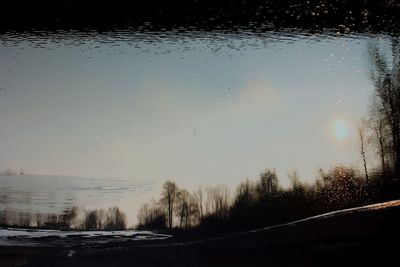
(94, 219)
(115, 219)
(180, 208)
(99, 219)
(263, 202)
(151, 217)
(66, 220)
(73, 218)
(339, 188)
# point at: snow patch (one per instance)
(71, 253)
(37, 233)
(17, 236)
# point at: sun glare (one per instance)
(340, 129)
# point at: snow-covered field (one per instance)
(17, 236)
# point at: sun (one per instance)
(340, 129)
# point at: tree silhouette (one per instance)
(169, 193)
(199, 200)
(386, 77)
(151, 216)
(362, 151)
(182, 206)
(381, 132)
(268, 183)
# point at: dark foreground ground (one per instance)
(365, 236)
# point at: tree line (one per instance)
(178, 207)
(72, 218)
(381, 130)
(263, 202)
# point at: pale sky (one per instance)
(201, 110)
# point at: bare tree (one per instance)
(193, 215)
(69, 217)
(246, 194)
(186, 209)
(268, 183)
(168, 199)
(151, 215)
(381, 136)
(379, 129)
(144, 214)
(294, 180)
(90, 221)
(98, 219)
(199, 200)
(386, 78)
(182, 206)
(362, 151)
(115, 219)
(218, 201)
(24, 219)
